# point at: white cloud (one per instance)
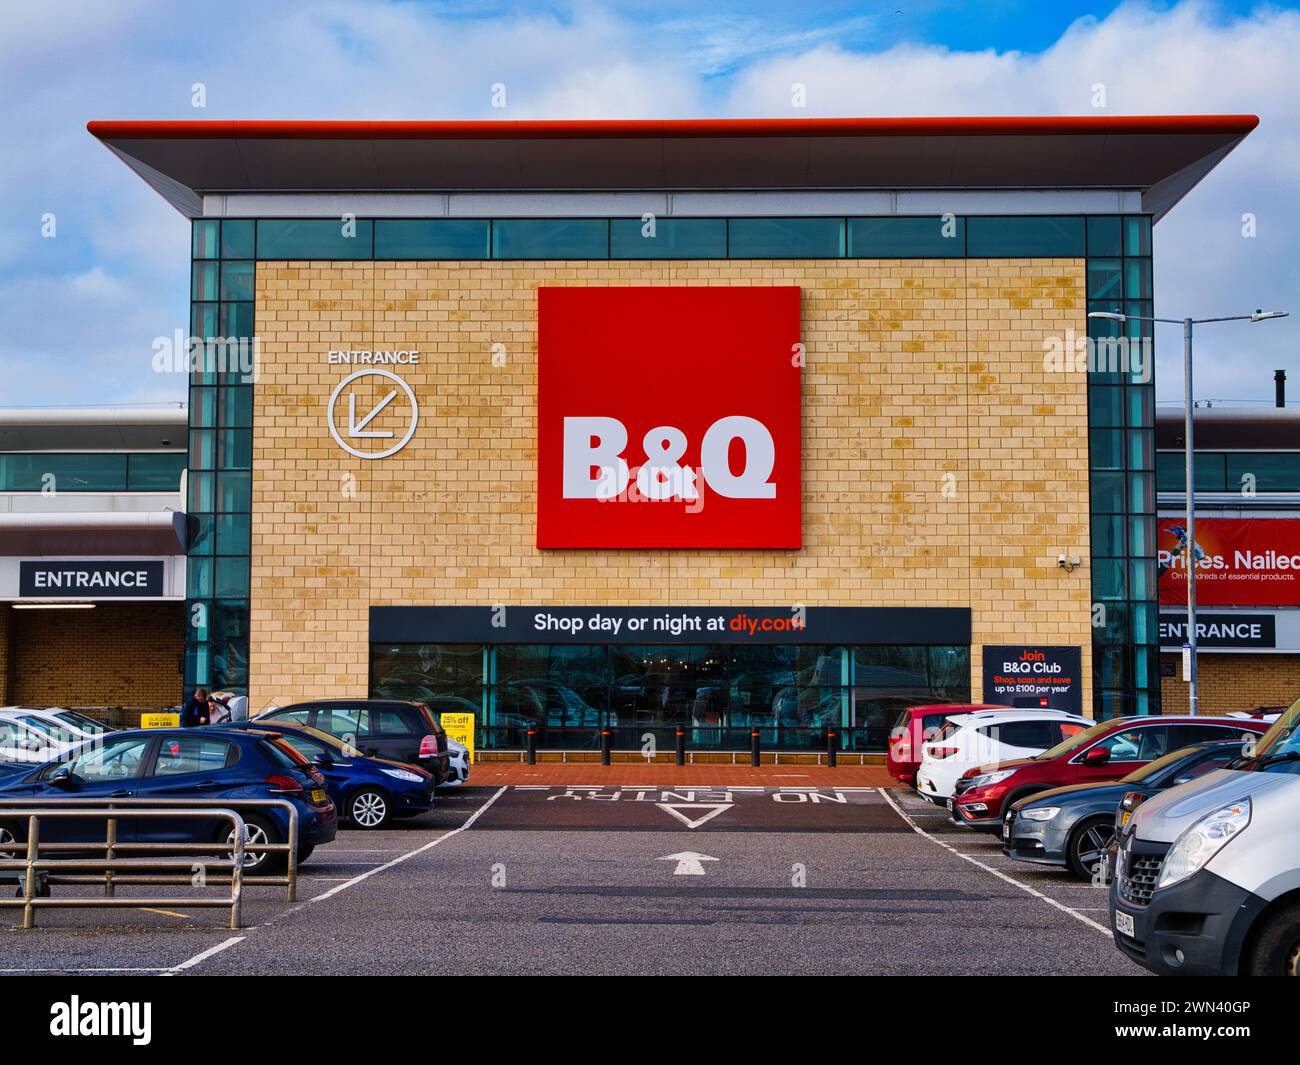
(369, 59)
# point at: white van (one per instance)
(1207, 874)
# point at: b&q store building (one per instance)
(641, 424)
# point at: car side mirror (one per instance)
(1181, 780)
(65, 779)
(1097, 756)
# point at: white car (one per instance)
(986, 738)
(27, 739)
(457, 763)
(69, 726)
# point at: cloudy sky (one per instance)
(79, 311)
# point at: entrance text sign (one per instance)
(1220, 630)
(668, 417)
(98, 579)
(1034, 677)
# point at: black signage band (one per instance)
(1220, 630)
(670, 624)
(107, 579)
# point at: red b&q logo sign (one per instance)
(668, 417)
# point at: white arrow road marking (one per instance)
(675, 809)
(356, 428)
(688, 863)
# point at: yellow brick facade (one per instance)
(942, 465)
(1227, 682)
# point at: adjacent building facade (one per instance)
(719, 426)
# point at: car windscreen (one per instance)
(1079, 739)
(1283, 737)
(1154, 769)
(81, 721)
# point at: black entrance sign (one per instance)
(106, 579)
(1220, 630)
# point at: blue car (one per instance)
(367, 791)
(213, 763)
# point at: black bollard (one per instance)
(753, 747)
(606, 745)
(832, 747)
(681, 746)
(532, 746)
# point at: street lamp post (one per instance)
(1190, 484)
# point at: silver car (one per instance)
(1207, 874)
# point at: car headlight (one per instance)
(402, 774)
(1203, 841)
(1040, 813)
(985, 779)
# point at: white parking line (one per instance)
(409, 854)
(203, 955)
(989, 869)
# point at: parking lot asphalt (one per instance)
(624, 880)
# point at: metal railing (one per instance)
(114, 869)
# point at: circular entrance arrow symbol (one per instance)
(355, 429)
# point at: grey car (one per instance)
(1074, 826)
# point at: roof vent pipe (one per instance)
(1279, 384)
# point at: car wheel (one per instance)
(304, 853)
(1088, 846)
(8, 836)
(258, 829)
(369, 808)
(1276, 951)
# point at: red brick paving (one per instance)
(495, 774)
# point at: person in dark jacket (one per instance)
(197, 709)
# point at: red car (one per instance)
(1107, 751)
(914, 726)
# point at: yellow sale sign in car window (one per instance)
(460, 727)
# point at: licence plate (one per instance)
(318, 795)
(1124, 924)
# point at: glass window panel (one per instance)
(1116, 624)
(1106, 449)
(443, 238)
(1137, 235)
(236, 320)
(1141, 536)
(1108, 493)
(63, 472)
(673, 238)
(1108, 578)
(192, 754)
(892, 667)
(949, 673)
(201, 492)
(198, 577)
(1141, 493)
(155, 471)
(1141, 407)
(233, 534)
(785, 238)
(235, 407)
(1137, 279)
(237, 238)
(234, 493)
(203, 407)
(1142, 579)
(231, 580)
(1272, 472)
(1104, 279)
(236, 280)
(1108, 535)
(550, 238)
(202, 537)
(1146, 620)
(1141, 449)
(1169, 472)
(1105, 406)
(427, 668)
(1104, 236)
(234, 449)
(930, 237)
(205, 320)
(205, 234)
(311, 238)
(1024, 237)
(203, 449)
(206, 281)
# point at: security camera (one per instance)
(1061, 561)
